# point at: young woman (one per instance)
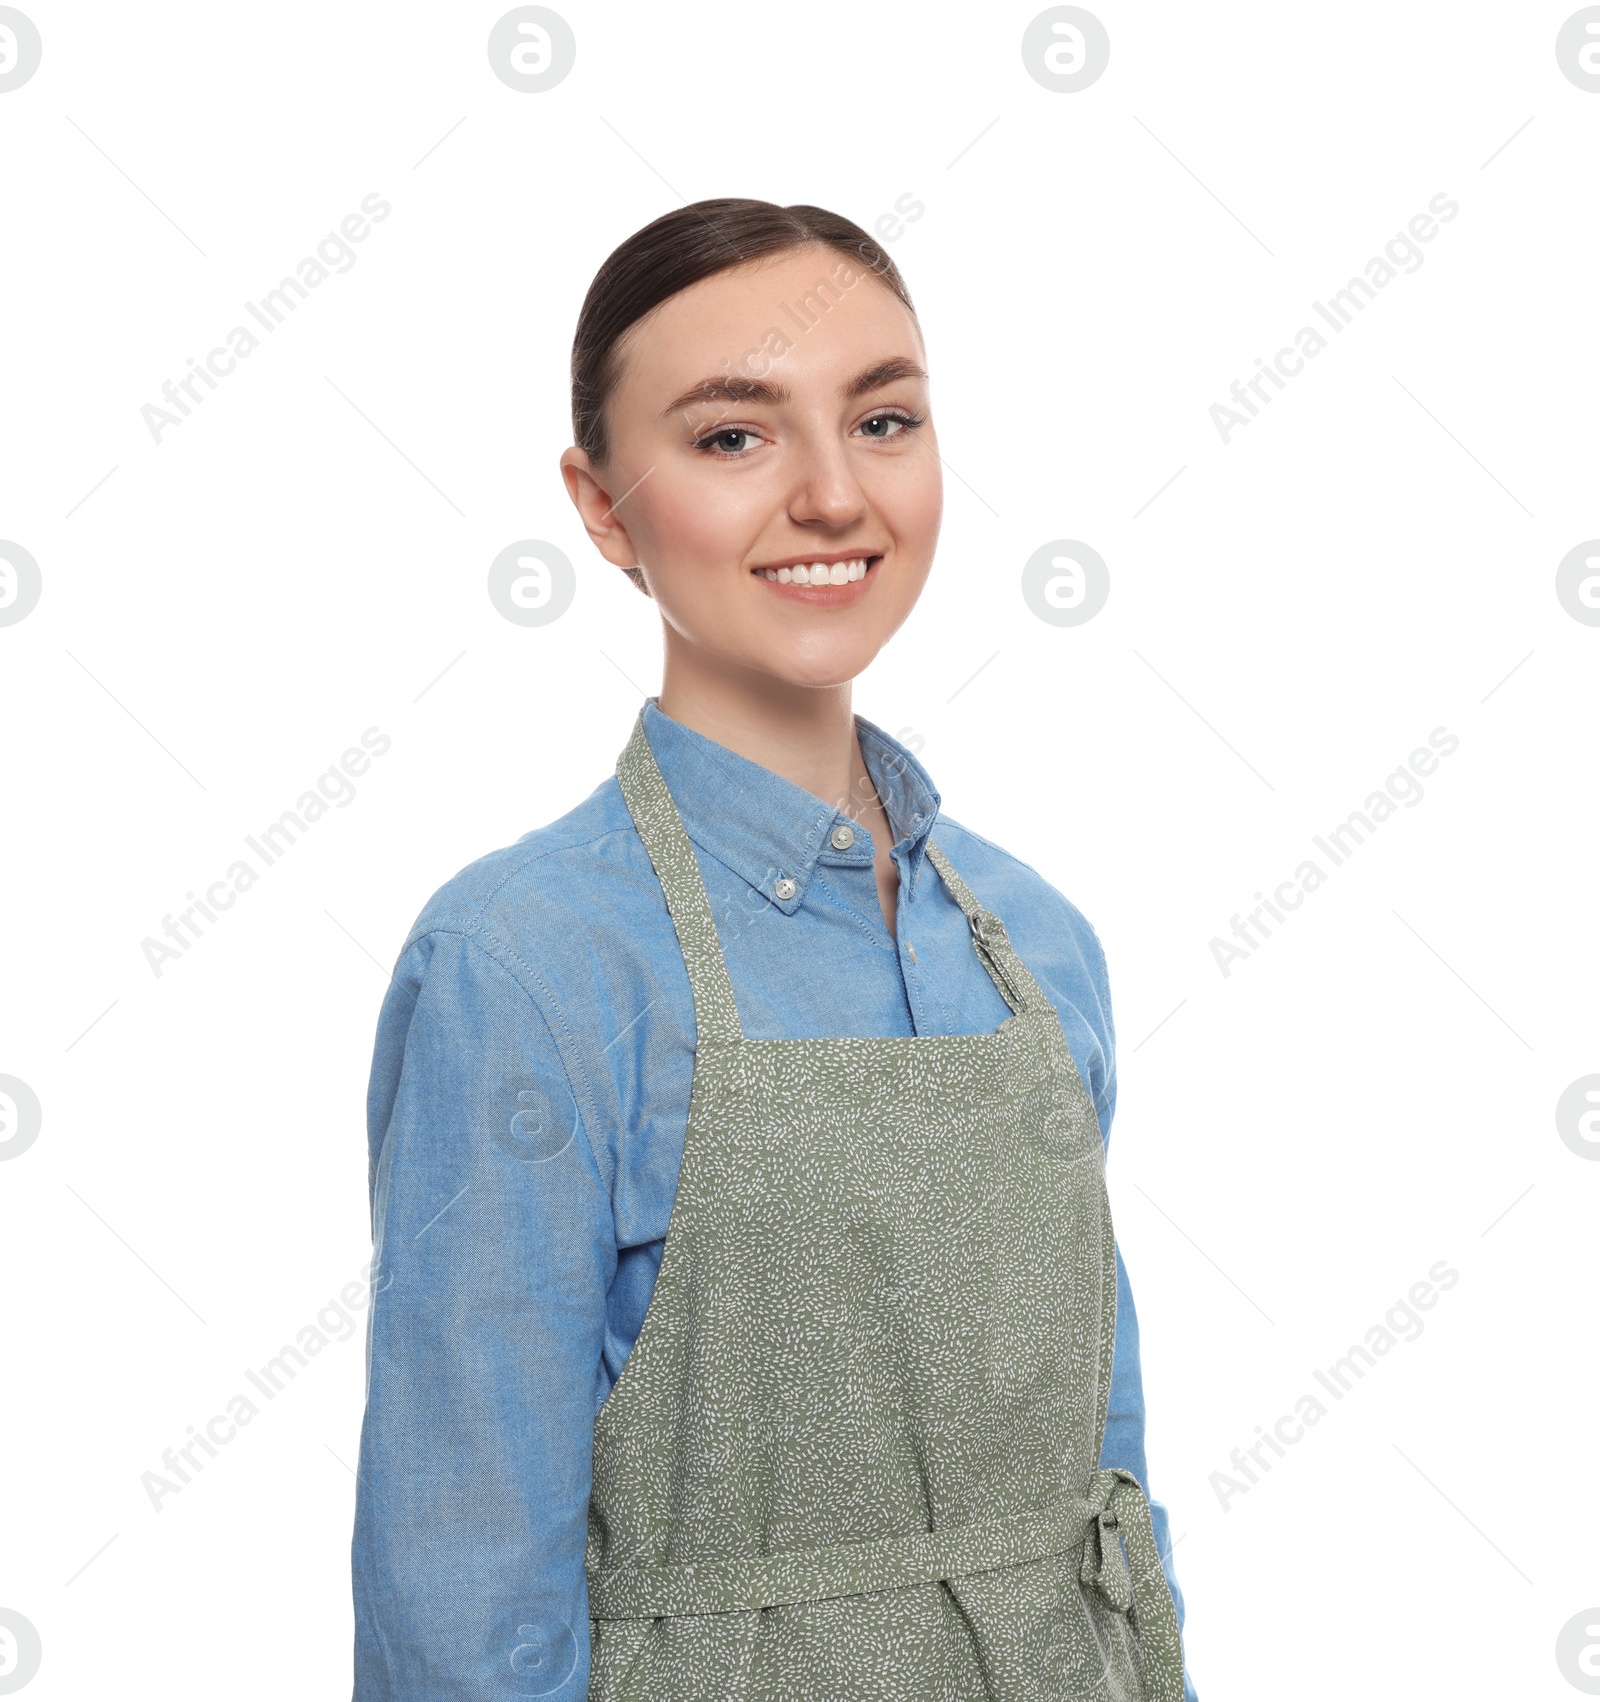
(748, 1321)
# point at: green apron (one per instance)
(855, 1450)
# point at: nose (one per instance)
(826, 491)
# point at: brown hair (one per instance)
(671, 253)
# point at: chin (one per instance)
(817, 673)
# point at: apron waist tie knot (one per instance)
(1119, 1514)
(742, 1584)
(1114, 1497)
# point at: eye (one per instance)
(718, 442)
(889, 423)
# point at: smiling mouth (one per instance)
(821, 575)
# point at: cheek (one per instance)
(929, 493)
(692, 524)
(910, 492)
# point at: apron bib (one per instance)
(854, 1451)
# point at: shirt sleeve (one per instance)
(1125, 1416)
(493, 1253)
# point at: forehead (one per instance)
(806, 315)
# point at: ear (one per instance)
(587, 486)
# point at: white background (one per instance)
(1297, 1142)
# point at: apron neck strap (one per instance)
(667, 841)
(990, 941)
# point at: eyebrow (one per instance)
(758, 390)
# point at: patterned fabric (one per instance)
(858, 1459)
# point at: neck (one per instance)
(806, 734)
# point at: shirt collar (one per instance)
(767, 829)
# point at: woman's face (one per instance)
(729, 466)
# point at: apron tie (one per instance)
(1120, 1513)
(1114, 1510)
(1105, 1565)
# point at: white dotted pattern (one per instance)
(886, 1308)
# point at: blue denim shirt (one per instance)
(527, 1109)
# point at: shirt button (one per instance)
(842, 837)
(784, 888)
(911, 951)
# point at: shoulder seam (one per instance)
(999, 850)
(1012, 857)
(497, 951)
(468, 919)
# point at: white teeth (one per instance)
(818, 573)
